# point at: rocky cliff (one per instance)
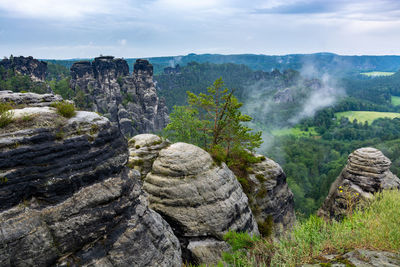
(130, 101)
(367, 172)
(199, 199)
(66, 197)
(271, 200)
(26, 66)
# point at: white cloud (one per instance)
(122, 42)
(64, 9)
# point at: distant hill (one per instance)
(319, 62)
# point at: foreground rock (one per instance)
(66, 197)
(361, 257)
(367, 172)
(130, 101)
(271, 200)
(200, 200)
(143, 150)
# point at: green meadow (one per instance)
(377, 73)
(395, 100)
(369, 116)
(294, 131)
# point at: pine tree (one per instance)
(214, 121)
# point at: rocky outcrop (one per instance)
(130, 101)
(270, 198)
(66, 197)
(143, 151)
(283, 96)
(367, 172)
(360, 257)
(29, 99)
(26, 66)
(199, 199)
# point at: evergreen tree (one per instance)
(213, 121)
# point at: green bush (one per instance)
(65, 109)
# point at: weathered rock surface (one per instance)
(270, 198)
(129, 101)
(66, 197)
(143, 150)
(367, 172)
(200, 200)
(26, 66)
(283, 96)
(361, 257)
(29, 99)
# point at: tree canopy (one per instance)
(213, 121)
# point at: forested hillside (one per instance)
(313, 152)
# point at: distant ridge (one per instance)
(323, 62)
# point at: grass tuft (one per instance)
(64, 109)
(376, 227)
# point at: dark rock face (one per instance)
(26, 66)
(367, 172)
(283, 96)
(66, 197)
(270, 198)
(129, 101)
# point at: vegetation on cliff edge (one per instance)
(376, 228)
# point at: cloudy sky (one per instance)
(145, 28)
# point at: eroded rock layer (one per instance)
(367, 172)
(34, 68)
(66, 197)
(130, 101)
(200, 200)
(270, 198)
(143, 151)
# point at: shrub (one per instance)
(65, 109)
(6, 116)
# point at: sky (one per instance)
(63, 29)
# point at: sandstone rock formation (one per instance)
(129, 101)
(143, 150)
(270, 198)
(367, 172)
(283, 96)
(360, 257)
(29, 99)
(26, 66)
(200, 200)
(66, 197)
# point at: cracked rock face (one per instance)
(200, 200)
(143, 150)
(29, 66)
(66, 197)
(367, 172)
(271, 199)
(130, 101)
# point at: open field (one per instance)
(369, 116)
(377, 73)
(395, 100)
(294, 131)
